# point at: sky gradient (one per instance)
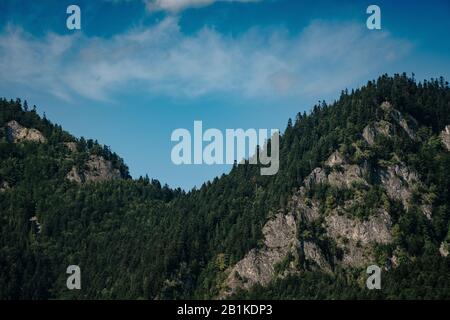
(139, 69)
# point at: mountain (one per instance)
(362, 181)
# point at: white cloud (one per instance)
(161, 60)
(179, 5)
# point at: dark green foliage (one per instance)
(138, 239)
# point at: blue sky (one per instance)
(138, 69)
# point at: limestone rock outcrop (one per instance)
(354, 237)
(96, 169)
(445, 136)
(258, 266)
(371, 131)
(18, 133)
(398, 181)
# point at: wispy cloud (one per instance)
(161, 60)
(174, 6)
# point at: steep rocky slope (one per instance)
(360, 181)
(96, 169)
(354, 238)
(445, 135)
(18, 133)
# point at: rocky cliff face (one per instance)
(398, 181)
(443, 249)
(445, 136)
(408, 123)
(18, 133)
(378, 128)
(345, 177)
(96, 169)
(354, 237)
(258, 266)
(387, 127)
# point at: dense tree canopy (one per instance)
(138, 239)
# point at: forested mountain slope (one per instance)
(365, 180)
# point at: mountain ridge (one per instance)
(258, 266)
(138, 239)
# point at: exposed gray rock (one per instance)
(398, 181)
(336, 159)
(355, 255)
(443, 249)
(386, 106)
(445, 136)
(258, 266)
(317, 176)
(355, 236)
(371, 131)
(350, 175)
(394, 261)
(377, 229)
(346, 177)
(97, 169)
(313, 253)
(304, 207)
(73, 175)
(18, 133)
(280, 232)
(408, 123)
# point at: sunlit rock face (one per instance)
(18, 133)
(96, 169)
(355, 238)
